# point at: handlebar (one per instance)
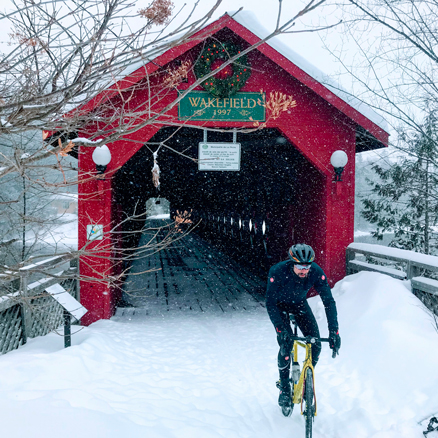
(312, 340)
(309, 339)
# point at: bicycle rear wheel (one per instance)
(309, 410)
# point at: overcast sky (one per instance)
(307, 44)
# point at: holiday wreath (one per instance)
(213, 55)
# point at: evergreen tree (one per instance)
(407, 193)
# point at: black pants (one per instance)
(307, 324)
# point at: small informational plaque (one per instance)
(94, 232)
(219, 156)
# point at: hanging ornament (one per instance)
(156, 172)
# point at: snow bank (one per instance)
(207, 375)
(386, 373)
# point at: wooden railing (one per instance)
(26, 310)
(420, 269)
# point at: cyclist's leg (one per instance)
(309, 327)
(284, 358)
(284, 361)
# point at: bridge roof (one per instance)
(245, 25)
(249, 20)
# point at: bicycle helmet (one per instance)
(301, 254)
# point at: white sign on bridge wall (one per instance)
(219, 156)
(94, 232)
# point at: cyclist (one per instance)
(288, 284)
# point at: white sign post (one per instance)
(219, 156)
(71, 306)
(69, 303)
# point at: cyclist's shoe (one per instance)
(285, 398)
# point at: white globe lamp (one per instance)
(339, 160)
(101, 157)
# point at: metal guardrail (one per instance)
(420, 269)
(26, 310)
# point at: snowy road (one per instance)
(211, 375)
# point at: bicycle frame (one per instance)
(298, 387)
(304, 342)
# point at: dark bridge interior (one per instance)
(254, 214)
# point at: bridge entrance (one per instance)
(284, 192)
(254, 214)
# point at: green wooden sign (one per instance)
(241, 107)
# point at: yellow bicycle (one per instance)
(303, 382)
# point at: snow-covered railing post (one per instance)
(25, 308)
(420, 269)
(350, 255)
(412, 270)
(67, 329)
(74, 267)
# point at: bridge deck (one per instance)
(188, 275)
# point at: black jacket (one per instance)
(286, 290)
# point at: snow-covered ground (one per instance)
(359, 233)
(209, 375)
(60, 235)
(65, 234)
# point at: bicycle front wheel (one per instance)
(309, 410)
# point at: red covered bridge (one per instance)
(285, 182)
